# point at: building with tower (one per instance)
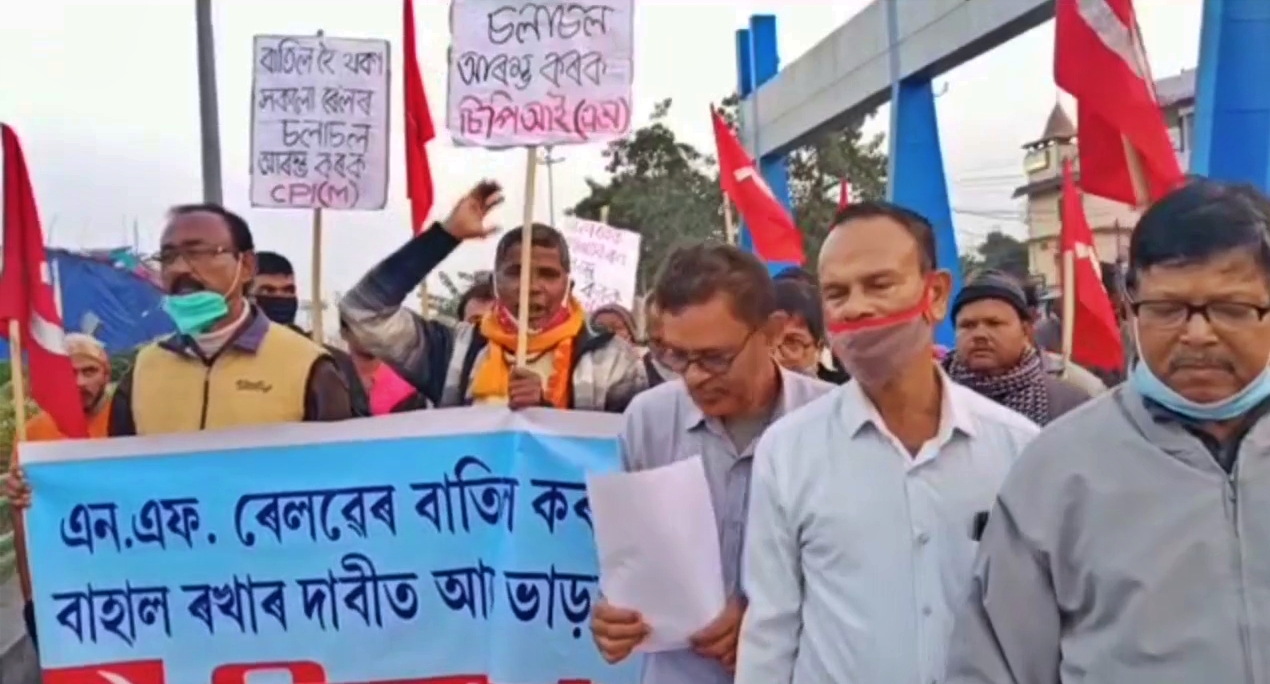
(1110, 221)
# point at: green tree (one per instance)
(816, 172)
(998, 252)
(668, 191)
(658, 186)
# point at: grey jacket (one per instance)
(1121, 552)
(1063, 395)
(1076, 375)
(438, 359)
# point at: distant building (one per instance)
(1111, 221)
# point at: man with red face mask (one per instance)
(866, 504)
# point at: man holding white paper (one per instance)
(719, 322)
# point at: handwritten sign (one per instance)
(605, 263)
(448, 547)
(540, 73)
(319, 131)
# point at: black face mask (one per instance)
(280, 310)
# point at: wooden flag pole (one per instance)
(526, 256)
(17, 381)
(1141, 193)
(319, 334)
(729, 228)
(1068, 293)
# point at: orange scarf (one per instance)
(493, 377)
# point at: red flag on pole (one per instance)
(776, 238)
(844, 194)
(1095, 333)
(1125, 151)
(26, 296)
(419, 129)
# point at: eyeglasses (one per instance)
(1219, 314)
(795, 346)
(712, 362)
(195, 256)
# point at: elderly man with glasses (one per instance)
(1131, 541)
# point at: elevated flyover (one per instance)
(892, 49)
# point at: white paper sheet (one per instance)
(659, 549)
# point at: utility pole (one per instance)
(549, 161)
(207, 106)
(893, 66)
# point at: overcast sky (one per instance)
(104, 94)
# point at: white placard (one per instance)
(605, 263)
(539, 73)
(319, 122)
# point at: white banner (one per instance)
(605, 263)
(539, 73)
(319, 122)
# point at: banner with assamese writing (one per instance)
(539, 73)
(449, 547)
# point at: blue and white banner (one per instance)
(451, 546)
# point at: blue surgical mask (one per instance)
(195, 312)
(1234, 406)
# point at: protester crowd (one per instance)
(885, 513)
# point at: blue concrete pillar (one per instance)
(919, 182)
(1232, 103)
(757, 62)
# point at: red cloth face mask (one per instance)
(875, 350)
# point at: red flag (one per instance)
(1096, 341)
(1125, 151)
(419, 129)
(776, 238)
(844, 195)
(26, 296)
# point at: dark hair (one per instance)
(917, 225)
(799, 299)
(272, 263)
(239, 233)
(482, 288)
(797, 274)
(1032, 295)
(694, 274)
(1199, 221)
(543, 236)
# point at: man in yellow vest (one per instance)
(228, 365)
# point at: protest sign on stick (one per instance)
(532, 73)
(319, 130)
(528, 74)
(327, 551)
(604, 263)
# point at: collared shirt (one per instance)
(663, 426)
(327, 396)
(859, 553)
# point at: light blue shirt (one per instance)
(857, 553)
(664, 426)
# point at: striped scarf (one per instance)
(1021, 388)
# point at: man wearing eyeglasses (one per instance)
(228, 365)
(718, 324)
(1131, 541)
